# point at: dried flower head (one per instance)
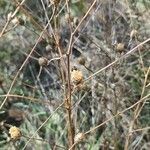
(76, 76)
(79, 137)
(120, 47)
(15, 133)
(43, 61)
(55, 2)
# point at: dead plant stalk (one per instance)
(68, 101)
(136, 112)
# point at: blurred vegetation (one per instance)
(38, 91)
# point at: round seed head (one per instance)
(15, 133)
(120, 47)
(79, 137)
(76, 77)
(43, 61)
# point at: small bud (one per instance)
(43, 61)
(81, 61)
(15, 133)
(79, 137)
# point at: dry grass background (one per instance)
(75, 74)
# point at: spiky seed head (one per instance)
(79, 137)
(76, 77)
(120, 47)
(15, 133)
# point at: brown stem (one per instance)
(71, 128)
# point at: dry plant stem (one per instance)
(115, 110)
(38, 77)
(71, 128)
(42, 126)
(136, 113)
(42, 140)
(8, 30)
(60, 10)
(68, 11)
(117, 60)
(66, 95)
(111, 64)
(21, 97)
(11, 17)
(143, 90)
(14, 80)
(72, 34)
(46, 14)
(111, 118)
(68, 101)
(26, 13)
(62, 58)
(137, 130)
(141, 60)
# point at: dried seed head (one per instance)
(79, 137)
(120, 47)
(81, 61)
(43, 61)
(48, 48)
(76, 76)
(15, 133)
(55, 2)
